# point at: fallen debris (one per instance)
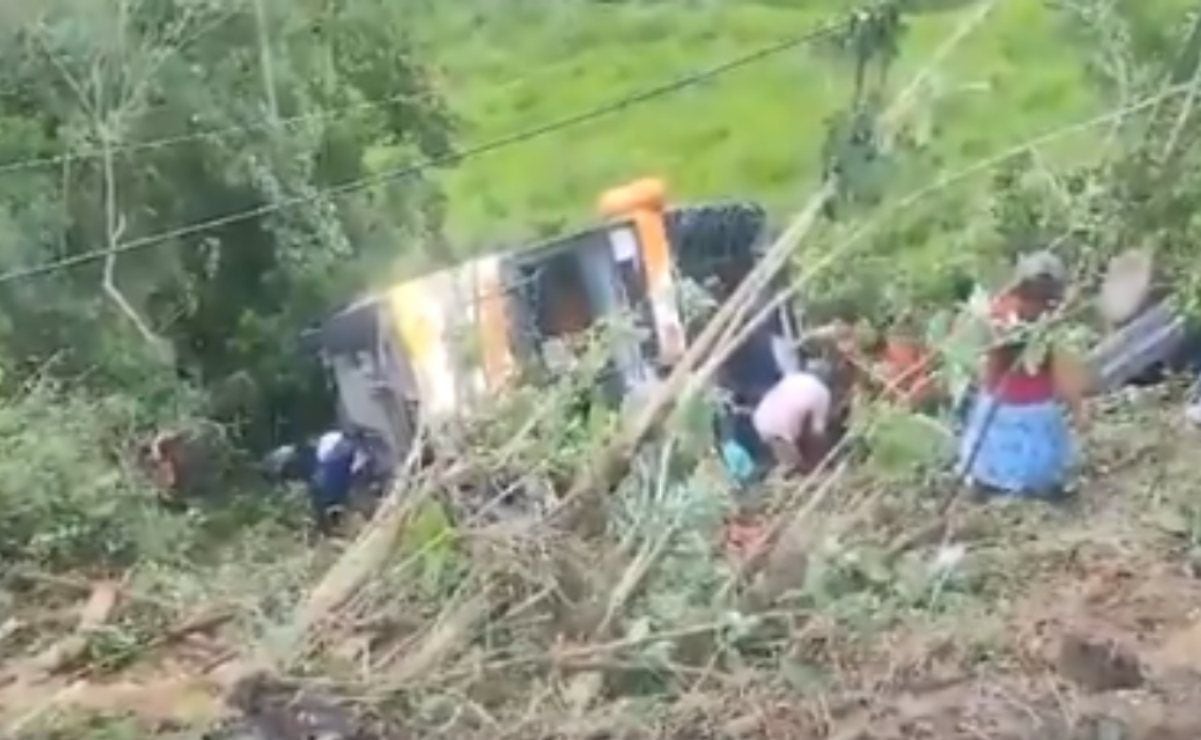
(94, 613)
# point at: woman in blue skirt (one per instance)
(1018, 438)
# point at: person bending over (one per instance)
(793, 419)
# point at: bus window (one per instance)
(563, 307)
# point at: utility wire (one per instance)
(165, 142)
(586, 116)
(218, 133)
(19, 165)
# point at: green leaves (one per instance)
(430, 537)
(903, 442)
(62, 501)
(853, 156)
(872, 39)
(1036, 353)
(158, 77)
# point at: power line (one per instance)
(178, 43)
(218, 133)
(518, 137)
(169, 141)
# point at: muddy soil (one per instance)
(1094, 634)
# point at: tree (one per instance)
(305, 97)
(1143, 193)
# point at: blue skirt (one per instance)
(1022, 450)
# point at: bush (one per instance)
(69, 494)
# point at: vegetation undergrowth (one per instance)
(462, 610)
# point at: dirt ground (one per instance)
(1093, 633)
(1097, 638)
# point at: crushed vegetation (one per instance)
(888, 607)
(562, 570)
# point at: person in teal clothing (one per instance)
(750, 372)
(739, 462)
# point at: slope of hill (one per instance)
(755, 132)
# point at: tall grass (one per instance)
(754, 133)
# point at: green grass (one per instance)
(753, 133)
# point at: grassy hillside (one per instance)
(754, 133)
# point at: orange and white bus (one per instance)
(437, 344)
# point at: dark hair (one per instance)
(1038, 295)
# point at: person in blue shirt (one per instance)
(330, 467)
(333, 476)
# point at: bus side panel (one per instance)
(656, 258)
(484, 310)
(492, 321)
(454, 327)
(420, 322)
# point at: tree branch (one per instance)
(115, 227)
(1186, 110)
(265, 63)
(70, 79)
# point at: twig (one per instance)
(901, 103)
(651, 551)
(1186, 110)
(612, 664)
(447, 634)
(203, 622)
(83, 585)
(9, 627)
(612, 462)
(595, 651)
(265, 61)
(72, 81)
(841, 250)
(100, 605)
(614, 459)
(359, 560)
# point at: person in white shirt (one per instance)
(793, 419)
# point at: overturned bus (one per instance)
(400, 355)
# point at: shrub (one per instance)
(69, 494)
